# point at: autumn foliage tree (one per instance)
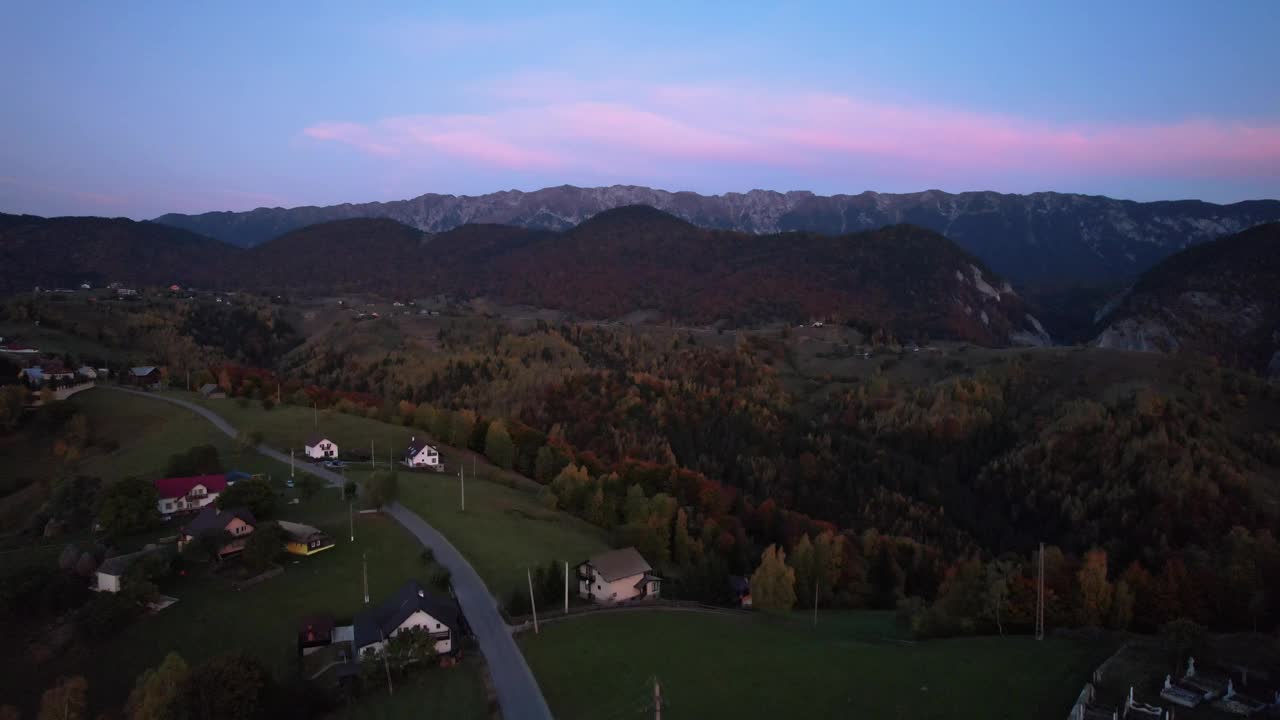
(773, 584)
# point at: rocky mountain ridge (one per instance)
(1031, 239)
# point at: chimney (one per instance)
(422, 593)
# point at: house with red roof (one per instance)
(188, 494)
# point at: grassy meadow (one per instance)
(851, 665)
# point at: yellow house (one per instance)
(302, 539)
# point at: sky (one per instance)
(138, 109)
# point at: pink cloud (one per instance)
(545, 124)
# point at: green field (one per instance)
(504, 531)
(456, 692)
(851, 666)
(148, 432)
(211, 618)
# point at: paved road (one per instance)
(518, 691)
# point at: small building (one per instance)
(740, 590)
(126, 292)
(617, 576)
(314, 632)
(188, 494)
(87, 373)
(237, 523)
(37, 375)
(212, 391)
(319, 447)
(110, 574)
(420, 454)
(303, 539)
(410, 607)
(147, 376)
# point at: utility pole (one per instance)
(351, 517)
(566, 587)
(365, 557)
(657, 699)
(188, 379)
(290, 463)
(532, 605)
(372, 464)
(815, 602)
(1040, 597)
(315, 414)
(462, 484)
(385, 662)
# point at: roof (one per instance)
(618, 564)
(648, 577)
(316, 438)
(209, 388)
(178, 487)
(143, 371)
(379, 621)
(213, 518)
(740, 584)
(235, 476)
(298, 530)
(416, 447)
(119, 564)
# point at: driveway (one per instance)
(518, 692)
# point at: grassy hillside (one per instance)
(504, 529)
(851, 665)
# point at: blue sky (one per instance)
(137, 109)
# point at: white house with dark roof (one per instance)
(617, 576)
(411, 607)
(110, 574)
(421, 455)
(319, 447)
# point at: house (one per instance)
(617, 576)
(422, 455)
(87, 373)
(319, 447)
(740, 590)
(212, 391)
(303, 539)
(126, 292)
(238, 523)
(410, 607)
(187, 494)
(147, 376)
(111, 572)
(36, 376)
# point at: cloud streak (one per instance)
(546, 127)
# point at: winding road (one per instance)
(518, 692)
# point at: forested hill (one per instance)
(1036, 239)
(1220, 299)
(903, 279)
(66, 251)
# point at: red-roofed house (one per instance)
(187, 494)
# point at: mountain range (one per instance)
(901, 279)
(1037, 239)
